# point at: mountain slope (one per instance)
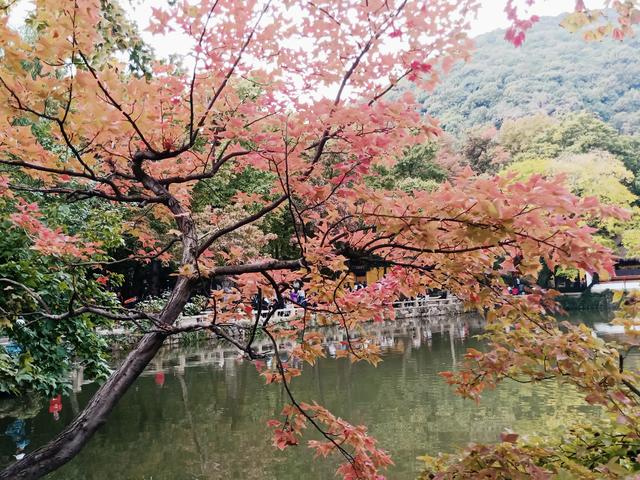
(553, 72)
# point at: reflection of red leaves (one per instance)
(509, 437)
(159, 379)
(102, 279)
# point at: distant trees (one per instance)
(482, 150)
(543, 136)
(421, 167)
(594, 174)
(595, 158)
(553, 72)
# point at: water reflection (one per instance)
(393, 337)
(201, 412)
(16, 431)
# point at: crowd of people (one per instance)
(295, 298)
(516, 288)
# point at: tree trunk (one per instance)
(75, 436)
(71, 440)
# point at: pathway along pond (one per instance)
(182, 420)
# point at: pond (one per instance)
(201, 413)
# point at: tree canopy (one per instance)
(195, 161)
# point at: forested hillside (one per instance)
(553, 72)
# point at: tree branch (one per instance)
(245, 221)
(259, 267)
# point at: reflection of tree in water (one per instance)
(23, 407)
(14, 413)
(208, 420)
(17, 432)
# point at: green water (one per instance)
(204, 416)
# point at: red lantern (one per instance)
(55, 406)
(159, 378)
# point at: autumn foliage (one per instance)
(299, 92)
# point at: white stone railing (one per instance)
(428, 307)
(416, 308)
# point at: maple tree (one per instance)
(298, 92)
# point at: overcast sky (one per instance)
(490, 17)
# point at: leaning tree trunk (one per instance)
(75, 436)
(71, 440)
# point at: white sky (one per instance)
(490, 17)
